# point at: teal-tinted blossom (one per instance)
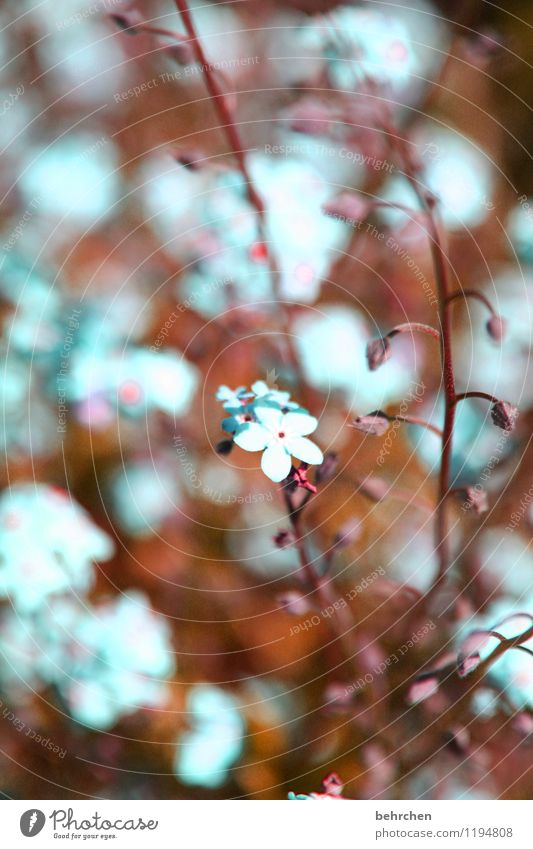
(48, 545)
(273, 424)
(206, 752)
(122, 657)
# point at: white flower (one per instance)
(280, 435)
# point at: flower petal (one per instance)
(230, 425)
(303, 449)
(276, 462)
(269, 416)
(252, 437)
(301, 424)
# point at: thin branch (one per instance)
(462, 396)
(415, 420)
(472, 293)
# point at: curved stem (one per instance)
(235, 143)
(414, 327)
(438, 253)
(472, 293)
(462, 396)
(416, 421)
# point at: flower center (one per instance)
(281, 434)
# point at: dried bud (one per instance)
(295, 603)
(327, 468)
(283, 539)
(348, 206)
(375, 488)
(224, 447)
(422, 689)
(496, 327)
(376, 423)
(378, 352)
(476, 500)
(128, 21)
(504, 415)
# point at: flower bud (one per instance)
(295, 603)
(347, 533)
(224, 447)
(476, 500)
(496, 327)
(376, 423)
(422, 689)
(283, 539)
(374, 488)
(378, 352)
(347, 205)
(504, 415)
(128, 21)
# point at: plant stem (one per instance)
(462, 396)
(429, 206)
(472, 293)
(236, 145)
(415, 420)
(340, 624)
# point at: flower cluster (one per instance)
(267, 420)
(105, 660)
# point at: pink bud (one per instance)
(374, 488)
(477, 500)
(523, 722)
(283, 539)
(378, 352)
(496, 327)
(348, 206)
(422, 689)
(504, 415)
(376, 423)
(468, 664)
(348, 533)
(310, 117)
(295, 603)
(337, 696)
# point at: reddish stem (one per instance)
(428, 204)
(416, 421)
(472, 293)
(340, 624)
(462, 396)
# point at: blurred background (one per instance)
(147, 648)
